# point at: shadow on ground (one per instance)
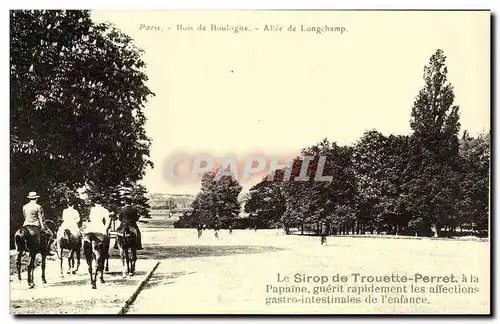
(60, 306)
(159, 252)
(165, 279)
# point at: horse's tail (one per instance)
(67, 234)
(21, 242)
(128, 236)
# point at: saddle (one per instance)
(33, 234)
(31, 230)
(95, 237)
(126, 230)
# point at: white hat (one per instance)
(33, 195)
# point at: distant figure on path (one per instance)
(199, 228)
(230, 229)
(323, 234)
(216, 231)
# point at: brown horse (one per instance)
(96, 251)
(126, 237)
(30, 239)
(72, 242)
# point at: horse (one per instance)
(96, 251)
(29, 238)
(72, 242)
(126, 237)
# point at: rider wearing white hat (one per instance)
(33, 215)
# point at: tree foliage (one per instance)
(217, 204)
(78, 90)
(417, 184)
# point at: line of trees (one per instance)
(432, 182)
(78, 90)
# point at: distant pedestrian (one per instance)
(216, 231)
(199, 228)
(230, 229)
(324, 232)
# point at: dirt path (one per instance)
(230, 275)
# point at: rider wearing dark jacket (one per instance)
(128, 214)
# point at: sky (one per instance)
(274, 93)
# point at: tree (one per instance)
(77, 96)
(432, 184)
(369, 160)
(473, 205)
(266, 203)
(310, 202)
(379, 162)
(217, 203)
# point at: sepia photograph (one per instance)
(259, 162)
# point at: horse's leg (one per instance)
(59, 252)
(44, 259)
(127, 257)
(78, 256)
(31, 268)
(107, 260)
(60, 256)
(122, 256)
(134, 259)
(100, 266)
(89, 259)
(95, 269)
(95, 266)
(71, 260)
(18, 264)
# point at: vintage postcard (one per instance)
(250, 162)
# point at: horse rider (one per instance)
(71, 218)
(34, 215)
(99, 220)
(128, 214)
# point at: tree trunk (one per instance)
(302, 228)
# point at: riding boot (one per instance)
(139, 241)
